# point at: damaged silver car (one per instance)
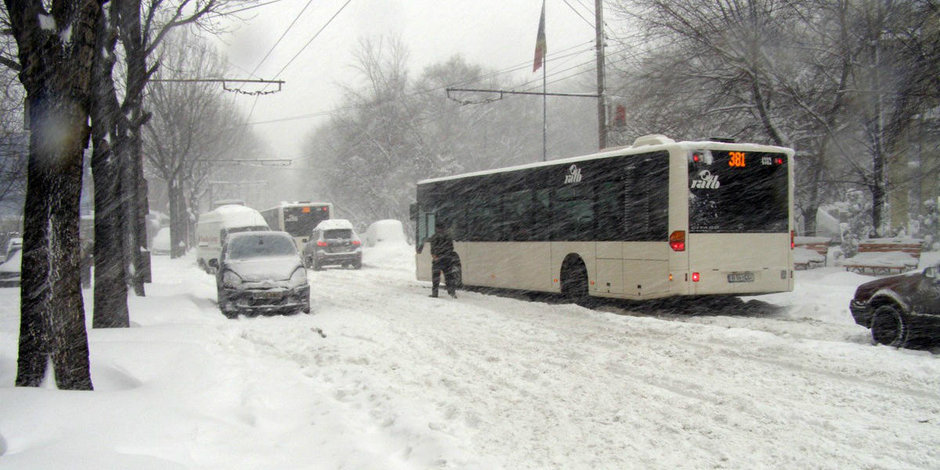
(261, 272)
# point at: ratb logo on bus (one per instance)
(706, 180)
(574, 175)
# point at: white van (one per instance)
(214, 225)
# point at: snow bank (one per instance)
(385, 231)
(804, 255)
(895, 259)
(160, 245)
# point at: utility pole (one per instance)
(601, 98)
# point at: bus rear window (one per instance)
(738, 192)
(299, 223)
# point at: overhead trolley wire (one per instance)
(426, 91)
(278, 42)
(528, 63)
(252, 7)
(312, 38)
(576, 12)
(255, 103)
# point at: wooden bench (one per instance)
(885, 256)
(819, 245)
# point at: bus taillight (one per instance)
(696, 277)
(792, 239)
(677, 240)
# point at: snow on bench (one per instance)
(885, 256)
(810, 252)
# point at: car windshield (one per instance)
(337, 233)
(259, 246)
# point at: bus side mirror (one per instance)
(413, 211)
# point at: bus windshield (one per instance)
(738, 192)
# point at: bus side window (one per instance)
(646, 202)
(542, 216)
(573, 213)
(609, 211)
(483, 224)
(516, 215)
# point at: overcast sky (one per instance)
(497, 34)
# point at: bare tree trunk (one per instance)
(135, 49)
(878, 187)
(57, 80)
(110, 296)
(177, 217)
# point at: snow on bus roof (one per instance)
(232, 209)
(640, 146)
(302, 203)
(239, 216)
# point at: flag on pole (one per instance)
(540, 46)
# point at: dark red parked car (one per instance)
(902, 311)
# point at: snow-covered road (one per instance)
(401, 380)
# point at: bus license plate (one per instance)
(746, 276)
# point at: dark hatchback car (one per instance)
(333, 242)
(261, 272)
(902, 311)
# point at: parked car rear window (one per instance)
(260, 246)
(337, 233)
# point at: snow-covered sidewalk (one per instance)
(405, 381)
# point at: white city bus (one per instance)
(656, 219)
(297, 218)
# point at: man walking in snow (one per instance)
(443, 259)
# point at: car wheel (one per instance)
(229, 313)
(574, 281)
(888, 326)
(357, 264)
(315, 265)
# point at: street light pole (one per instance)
(601, 99)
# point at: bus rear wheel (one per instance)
(574, 281)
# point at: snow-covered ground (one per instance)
(398, 380)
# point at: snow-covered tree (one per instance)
(841, 81)
(13, 138)
(392, 131)
(193, 126)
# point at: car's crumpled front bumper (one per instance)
(265, 300)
